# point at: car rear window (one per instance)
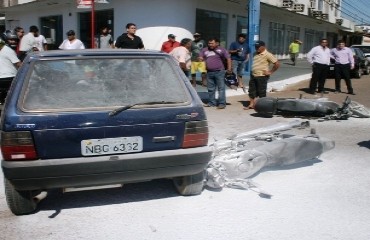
(101, 83)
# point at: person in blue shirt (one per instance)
(239, 51)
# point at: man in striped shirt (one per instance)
(260, 72)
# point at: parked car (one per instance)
(365, 49)
(362, 65)
(81, 118)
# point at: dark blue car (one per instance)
(75, 119)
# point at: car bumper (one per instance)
(102, 170)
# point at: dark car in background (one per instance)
(365, 49)
(76, 119)
(362, 65)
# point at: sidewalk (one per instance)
(285, 75)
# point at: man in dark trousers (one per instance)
(319, 57)
(214, 57)
(344, 62)
(129, 40)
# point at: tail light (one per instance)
(196, 134)
(17, 146)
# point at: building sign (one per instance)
(88, 3)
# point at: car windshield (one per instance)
(101, 83)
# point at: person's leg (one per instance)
(220, 81)
(240, 71)
(211, 87)
(337, 75)
(202, 68)
(314, 78)
(251, 92)
(347, 77)
(323, 69)
(262, 86)
(4, 88)
(193, 73)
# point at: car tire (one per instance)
(358, 73)
(19, 202)
(190, 185)
(367, 70)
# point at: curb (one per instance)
(275, 86)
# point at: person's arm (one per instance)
(310, 56)
(228, 64)
(118, 42)
(351, 58)
(163, 47)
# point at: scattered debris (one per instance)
(241, 156)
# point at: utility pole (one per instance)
(253, 27)
(93, 24)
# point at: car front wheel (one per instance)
(19, 202)
(190, 185)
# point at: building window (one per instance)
(51, 28)
(292, 33)
(102, 18)
(276, 38)
(212, 24)
(311, 38)
(320, 5)
(241, 25)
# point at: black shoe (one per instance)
(337, 91)
(352, 93)
(324, 92)
(311, 92)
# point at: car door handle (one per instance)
(164, 139)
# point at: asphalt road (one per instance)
(325, 198)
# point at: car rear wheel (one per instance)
(19, 202)
(358, 72)
(190, 185)
(367, 70)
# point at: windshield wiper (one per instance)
(123, 108)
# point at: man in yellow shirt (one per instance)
(260, 72)
(294, 50)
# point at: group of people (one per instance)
(320, 58)
(214, 61)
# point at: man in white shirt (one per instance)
(28, 43)
(71, 42)
(183, 56)
(319, 57)
(41, 43)
(9, 63)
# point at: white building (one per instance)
(281, 20)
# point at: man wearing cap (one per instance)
(260, 72)
(9, 63)
(169, 45)
(239, 51)
(197, 65)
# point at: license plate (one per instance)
(93, 147)
(331, 68)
